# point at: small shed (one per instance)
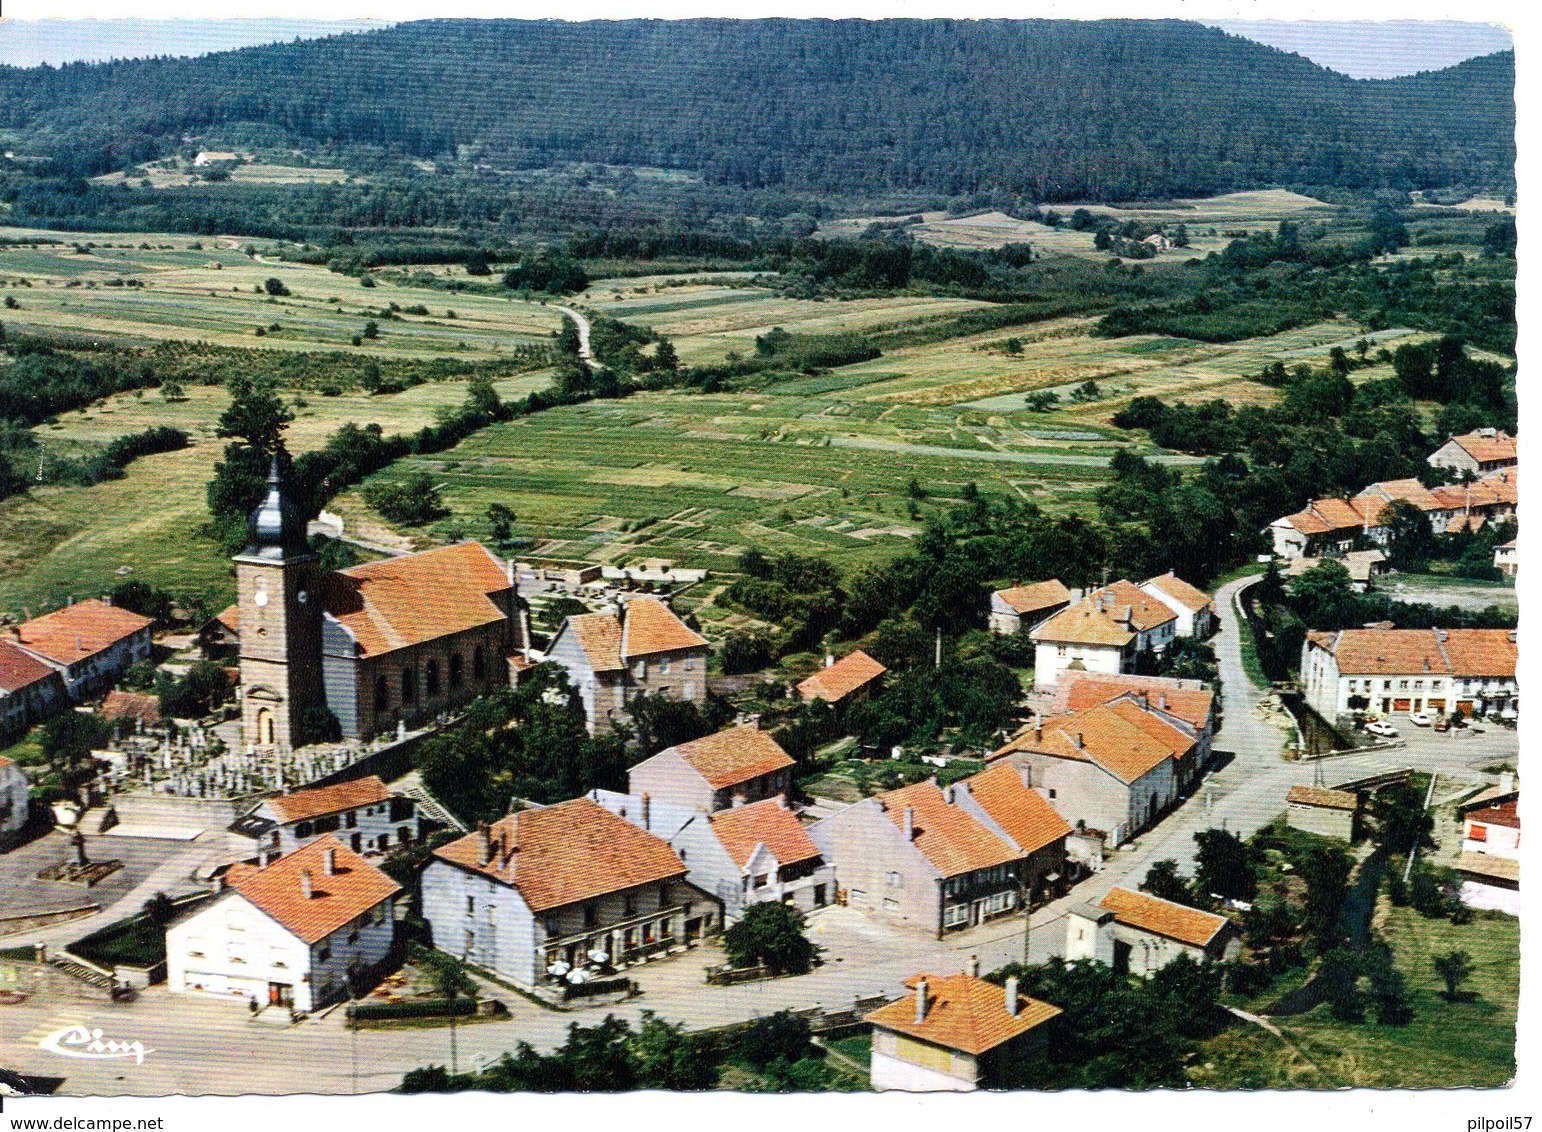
(1330, 813)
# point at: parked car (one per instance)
(1442, 723)
(1382, 728)
(1419, 718)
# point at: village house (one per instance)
(1192, 606)
(1021, 609)
(1364, 566)
(30, 691)
(555, 893)
(729, 768)
(379, 646)
(1191, 706)
(1477, 453)
(291, 934)
(1409, 670)
(1106, 631)
(943, 858)
(1490, 860)
(955, 1033)
(841, 683)
(1113, 768)
(1136, 933)
(1328, 813)
(743, 856)
(364, 813)
(640, 648)
(215, 157)
(89, 644)
(1507, 559)
(15, 802)
(1323, 526)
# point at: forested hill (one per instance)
(1053, 109)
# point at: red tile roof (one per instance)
(946, 835)
(1021, 811)
(1123, 739)
(131, 705)
(1188, 700)
(599, 637)
(1109, 616)
(1190, 597)
(1163, 917)
(1488, 449)
(769, 823)
(1403, 652)
(336, 898)
(962, 1013)
(566, 853)
(77, 631)
(732, 756)
(651, 627)
(1035, 597)
(319, 801)
(853, 671)
(20, 669)
(398, 602)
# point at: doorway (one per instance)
(280, 994)
(1121, 957)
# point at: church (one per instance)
(376, 646)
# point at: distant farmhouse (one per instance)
(853, 678)
(1477, 453)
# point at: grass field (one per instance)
(203, 290)
(1447, 1045)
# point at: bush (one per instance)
(744, 652)
(421, 1008)
(411, 502)
(781, 1036)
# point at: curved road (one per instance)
(584, 353)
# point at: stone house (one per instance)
(955, 1033)
(1138, 934)
(1114, 767)
(641, 648)
(89, 644)
(1477, 453)
(939, 859)
(729, 768)
(745, 855)
(1106, 631)
(289, 934)
(363, 813)
(1328, 813)
(1019, 609)
(551, 890)
(30, 690)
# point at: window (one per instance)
(471, 942)
(664, 666)
(323, 953)
(955, 914)
(382, 693)
(640, 670)
(409, 686)
(762, 879)
(303, 829)
(896, 881)
(455, 670)
(351, 820)
(431, 678)
(629, 905)
(478, 665)
(591, 916)
(1052, 793)
(1476, 832)
(471, 905)
(690, 664)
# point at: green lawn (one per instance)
(1447, 1045)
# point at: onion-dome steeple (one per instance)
(276, 527)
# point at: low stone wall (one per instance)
(15, 925)
(175, 812)
(42, 980)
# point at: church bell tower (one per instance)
(276, 580)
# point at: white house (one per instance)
(1490, 861)
(552, 890)
(363, 813)
(1138, 934)
(728, 768)
(1191, 605)
(30, 690)
(1507, 559)
(15, 801)
(1408, 670)
(1104, 632)
(289, 934)
(744, 855)
(89, 643)
(1479, 452)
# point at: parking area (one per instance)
(1461, 751)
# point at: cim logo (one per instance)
(80, 1041)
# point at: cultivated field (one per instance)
(209, 290)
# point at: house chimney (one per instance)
(647, 813)
(920, 1000)
(972, 967)
(1079, 742)
(910, 823)
(829, 659)
(1162, 702)
(80, 644)
(305, 885)
(949, 794)
(329, 862)
(1026, 771)
(486, 834)
(1011, 996)
(1506, 782)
